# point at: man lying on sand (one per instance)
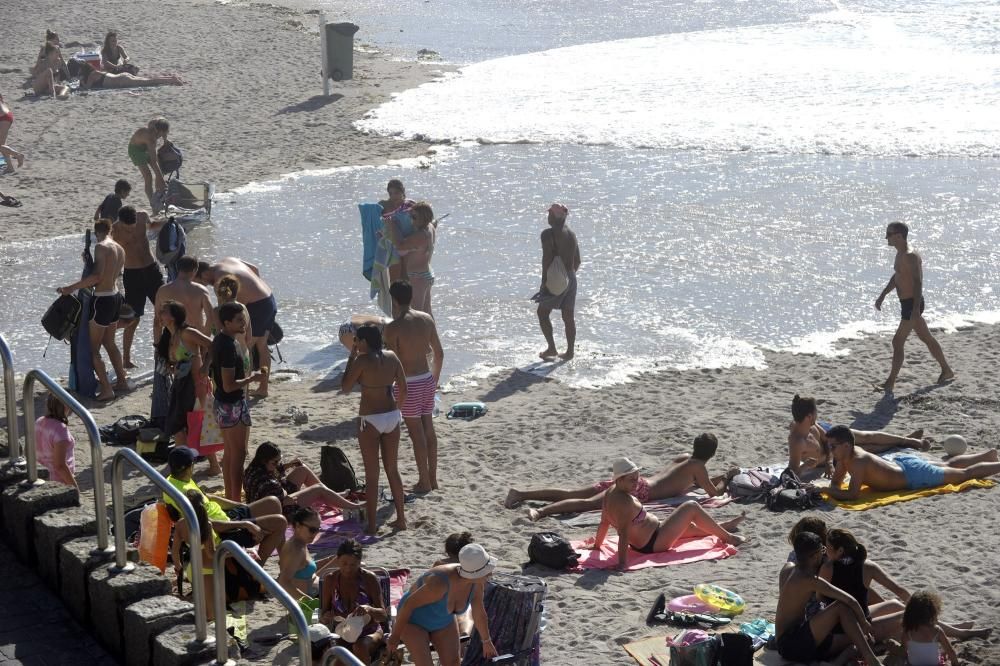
(680, 476)
(903, 472)
(807, 439)
(801, 637)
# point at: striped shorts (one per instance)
(420, 392)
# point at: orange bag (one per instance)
(154, 535)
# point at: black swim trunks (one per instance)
(798, 644)
(107, 308)
(262, 315)
(906, 308)
(651, 544)
(240, 537)
(141, 284)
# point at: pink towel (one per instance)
(685, 551)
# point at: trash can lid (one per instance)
(347, 29)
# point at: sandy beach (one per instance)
(252, 108)
(538, 433)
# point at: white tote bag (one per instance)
(556, 276)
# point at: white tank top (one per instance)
(923, 653)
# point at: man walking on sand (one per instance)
(560, 253)
(412, 335)
(142, 277)
(259, 300)
(908, 281)
(109, 259)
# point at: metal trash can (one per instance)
(340, 50)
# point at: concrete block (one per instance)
(76, 561)
(175, 647)
(146, 619)
(110, 592)
(21, 505)
(54, 528)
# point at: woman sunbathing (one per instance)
(644, 532)
(93, 79)
(681, 475)
(292, 483)
(49, 69)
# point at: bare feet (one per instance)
(566, 356)
(258, 394)
(123, 386)
(513, 499)
(946, 376)
(549, 352)
(882, 388)
(732, 524)
(737, 540)
(213, 470)
(420, 490)
(105, 396)
(399, 524)
(533, 514)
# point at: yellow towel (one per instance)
(870, 499)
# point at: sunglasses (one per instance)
(313, 529)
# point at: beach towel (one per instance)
(661, 508)
(870, 499)
(653, 651)
(371, 225)
(684, 552)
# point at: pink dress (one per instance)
(48, 433)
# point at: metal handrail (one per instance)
(96, 454)
(343, 654)
(194, 538)
(230, 549)
(9, 388)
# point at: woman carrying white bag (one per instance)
(560, 262)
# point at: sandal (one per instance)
(10, 202)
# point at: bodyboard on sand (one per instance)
(870, 499)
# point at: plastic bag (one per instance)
(154, 535)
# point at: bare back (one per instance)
(377, 374)
(793, 596)
(109, 260)
(144, 137)
(684, 472)
(412, 336)
(252, 287)
(133, 239)
(194, 297)
(874, 472)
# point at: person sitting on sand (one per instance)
(115, 57)
(644, 532)
(925, 642)
(806, 637)
(48, 71)
(42, 59)
(904, 472)
(6, 122)
(354, 590)
(558, 242)
(679, 477)
(292, 483)
(298, 572)
(142, 153)
(426, 610)
(808, 448)
(813, 524)
(94, 79)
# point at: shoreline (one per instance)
(252, 110)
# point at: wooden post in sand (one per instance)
(322, 46)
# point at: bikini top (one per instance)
(182, 353)
(307, 572)
(339, 606)
(640, 517)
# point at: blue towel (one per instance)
(371, 224)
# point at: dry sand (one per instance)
(539, 432)
(253, 107)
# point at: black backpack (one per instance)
(790, 494)
(336, 471)
(63, 317)
(734, 650)
(171, 242)
(170, 159)
(124, 431)
(552, 550)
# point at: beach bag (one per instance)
(515, 610)
(124, 431)
(62, 317)
(752, 485)
(171, 242)
(556, 275)
(552, 550)
(734, 650)
(170, 159)
(693, 647)
(204, 434)
(154, 534)
(790, 494)
(336, 471)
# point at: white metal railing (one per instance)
(187, 511)
(10, 396)
(343, 655)
(230, 549)
(96, 454)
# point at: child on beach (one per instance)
(54, 442)
(108, 210)
(923, 638)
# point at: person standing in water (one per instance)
(558, 242)
(142, 153)
(908, 282)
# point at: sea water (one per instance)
(729, 175)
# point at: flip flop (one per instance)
(10, 202)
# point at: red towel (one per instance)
(685, 551)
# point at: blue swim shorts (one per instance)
(920, 473)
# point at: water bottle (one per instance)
(437, 404)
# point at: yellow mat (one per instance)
(870, 499)
(654, 646)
